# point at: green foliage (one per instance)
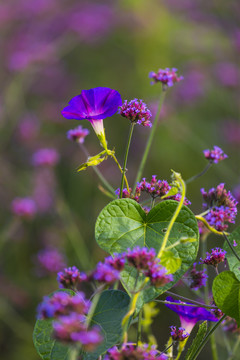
(226, 293)
(123, 224)
(109, 312)
(170, 262)
(46, 346)
(232, 260)
(202, 330)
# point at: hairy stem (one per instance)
(150, 140)
(126, 157)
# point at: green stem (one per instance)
(185, 298)
(98, 172)
(206, 338)
(139, 329)
(190, 305)
(232, 355)
(74, 353)
(174, 217)
(152, 202)
(230, 245)
(92, 308)
(200, 174)
(150, 139)
(126, 157)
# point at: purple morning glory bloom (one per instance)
(93, 105)
(189, 316)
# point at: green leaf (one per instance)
(170, 262)
(226, 293)
(123, 224)
(46, 346)
(202, 330)
(233, 262)
(110, 310)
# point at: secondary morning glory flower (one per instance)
(189, 316)
(94, 105)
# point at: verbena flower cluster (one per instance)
(222, 207)
(168, 77)
(24, 207)
(136, 111)
(155, 188)
(133, 352)
(215, 155)
(69, 319)
(45, 157)
(178, 334)
(108, 272)
(197, 278)
(214, 258)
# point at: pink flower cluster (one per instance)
(215, 155)
(167, 77)
(136, 111)
(130, 351)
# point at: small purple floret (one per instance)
(215, 155)
(77, 134)
(136, 111)
(45, 157)
(51, 259)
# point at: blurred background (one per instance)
(51, 50)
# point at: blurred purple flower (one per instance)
(192, 88)
(136, 111)
(89, 339)
(51, 259)
(24, 207)
(215, 155)
(44, 188)
(227, 73)
(197, 278)
(105, 273)
(133, 352)
(128, 194)
(28, 128)
(189, 316)
(77, 134)
(140, 257)
(231, 132)
(45, 157)
(93, 105)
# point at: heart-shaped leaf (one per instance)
(233, 262)
(226, 294)
(170, 262)
(47, 347)
(123, 224)
(111, 308)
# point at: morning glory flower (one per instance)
(94, 105)
(189, 316)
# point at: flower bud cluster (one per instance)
(222, 207)
(215, 155)
(136, 111)
(69, 314)
(197, 278)
(178, 334)
(133, 352)
(70, 278)
(216, 257)
(167, 77)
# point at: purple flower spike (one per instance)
(77, 134)
(167, 77)
(215, 155)
(189, 316)
(178, 334)
(136, 111)
(216, 257)
(24, 207)
(93, 105)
